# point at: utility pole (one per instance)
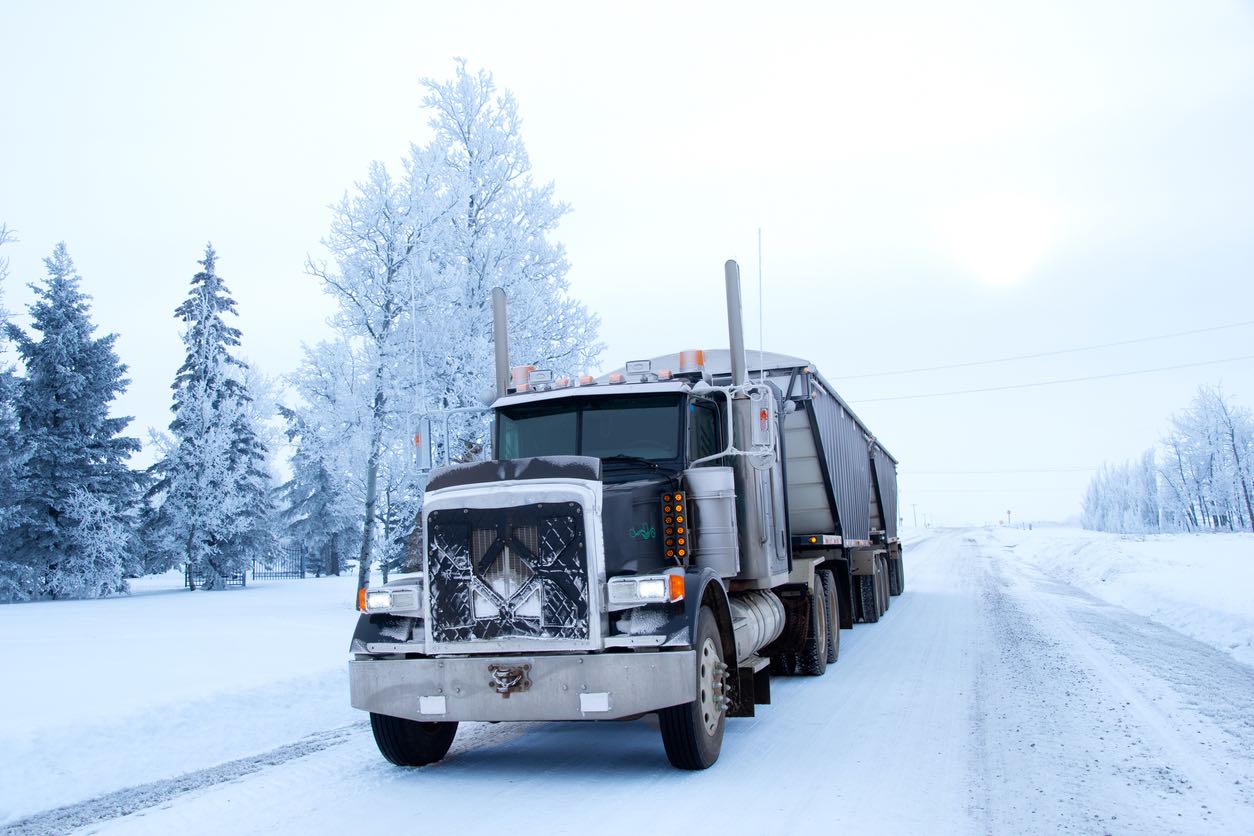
(1007, 518)
(915, 508)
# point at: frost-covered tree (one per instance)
(1124, 498)
(381, 238)
(501, 236)
(414, 262)
(317, 509)
(10, 453)
(210, 503)
(1200, 478)
(76, 492)
(1207, 467)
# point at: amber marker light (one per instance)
(676, 587)
(361, 600)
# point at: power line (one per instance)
(1054, 382)
(997, 472)
(1047, 353)
(990, 490)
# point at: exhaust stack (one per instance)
(500, 334)
(735, 324)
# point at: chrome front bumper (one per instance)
(599, 686)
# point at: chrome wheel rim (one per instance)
(710, 686)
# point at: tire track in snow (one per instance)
(1078, 715)
(133, 799)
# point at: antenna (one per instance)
(761, 336)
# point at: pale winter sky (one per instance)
(935, 183)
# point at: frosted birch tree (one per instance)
(500, 236)
(413, 263)
(381, 236)
(1200, 478)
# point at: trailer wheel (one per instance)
(783, 664)
(899, 575)
(868, 598)
(882, 581)
(693, 732)
(833, 614)
(812, 660)
(411, 742)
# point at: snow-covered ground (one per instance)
(100, 695)
(1009, 690)
(1199, 584)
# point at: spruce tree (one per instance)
(318, 513)
(75, 496)
(209, 506)
(10, 454)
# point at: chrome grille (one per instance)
(496, 574)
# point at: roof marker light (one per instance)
(692, 360)
(617, 377)
(587, 380)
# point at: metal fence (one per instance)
(196, 579)
(287, 562)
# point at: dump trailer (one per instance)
(662, 539)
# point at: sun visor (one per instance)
(539, 467)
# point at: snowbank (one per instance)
(110, 693)
(1199, 584)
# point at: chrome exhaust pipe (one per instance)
(500, 335)
(735, 325)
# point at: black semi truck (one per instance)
(662, 539)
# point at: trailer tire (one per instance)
(693, 732)
(900, 566)
(833, 614)
(411, 742)
(812, 660)
(868, 599)
(882, 581)
(783, 664)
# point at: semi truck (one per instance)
(660, 540)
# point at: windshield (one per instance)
(622, 427)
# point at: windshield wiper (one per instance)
(625, 459)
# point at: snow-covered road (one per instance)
(990, 699)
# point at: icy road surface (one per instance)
(990, 699)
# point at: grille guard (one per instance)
(514, 567)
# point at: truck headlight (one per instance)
(639, 590)
(389, 599)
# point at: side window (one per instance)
(703, 434)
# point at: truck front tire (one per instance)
(411, 742)
(693, 732)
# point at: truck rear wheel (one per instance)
(783, 664)
(812, 660)
(833, 614)
(693, 732)
(868, 598)
(898, 576)
(411, 742)
(882, 582)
